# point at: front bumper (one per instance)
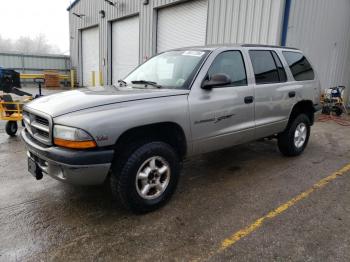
(79, 167)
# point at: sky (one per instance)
(33, 17)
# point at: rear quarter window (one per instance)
(299, 66)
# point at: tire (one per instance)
(287, 142)
(338, 110)
(11, 128)
(326, 110)
(133, 172)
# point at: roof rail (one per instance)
(268, 46)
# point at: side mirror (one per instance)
(216, 80)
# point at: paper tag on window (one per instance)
(193, 53)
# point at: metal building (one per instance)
(113, 36)
(34, 63)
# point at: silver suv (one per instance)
(135, 134)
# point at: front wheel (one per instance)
(11, 128)
(294, 139)
(146, 178)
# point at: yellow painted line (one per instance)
(230, 241)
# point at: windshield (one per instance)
(173, 69)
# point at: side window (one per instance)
(264, 66)
(230, 63)
(300, 67)
(281, 72)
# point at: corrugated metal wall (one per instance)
(33, 63)
(321, 28)
(229, 21)
(245, 21)
(90, 9)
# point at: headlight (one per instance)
(71, 137)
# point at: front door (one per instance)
(223, 116)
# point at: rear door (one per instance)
(274, 95)
(223, 116)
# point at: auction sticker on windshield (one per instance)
(193, 53)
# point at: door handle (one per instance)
(291, 94)
(249, 99)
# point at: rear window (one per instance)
(267, 67)
(300, 67)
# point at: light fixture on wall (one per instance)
(111, 2)
(102, 13)
(78, 15)
(145, 2)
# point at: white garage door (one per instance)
(90, 54)
(182, 25)
(125, 47)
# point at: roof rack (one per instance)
(269, 46)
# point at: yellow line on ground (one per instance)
(228, 242)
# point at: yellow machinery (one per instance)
(11, 111)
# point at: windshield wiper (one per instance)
(122, 83)
(146, 83)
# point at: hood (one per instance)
(75, 100)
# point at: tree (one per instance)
(25, 44)
(5, 44)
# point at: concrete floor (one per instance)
(219, 194)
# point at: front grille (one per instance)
(38, 126)
(43, 133)
(42, 121)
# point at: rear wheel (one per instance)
(11, 128)
(294, 139)
(146, 178)
(338, 110)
